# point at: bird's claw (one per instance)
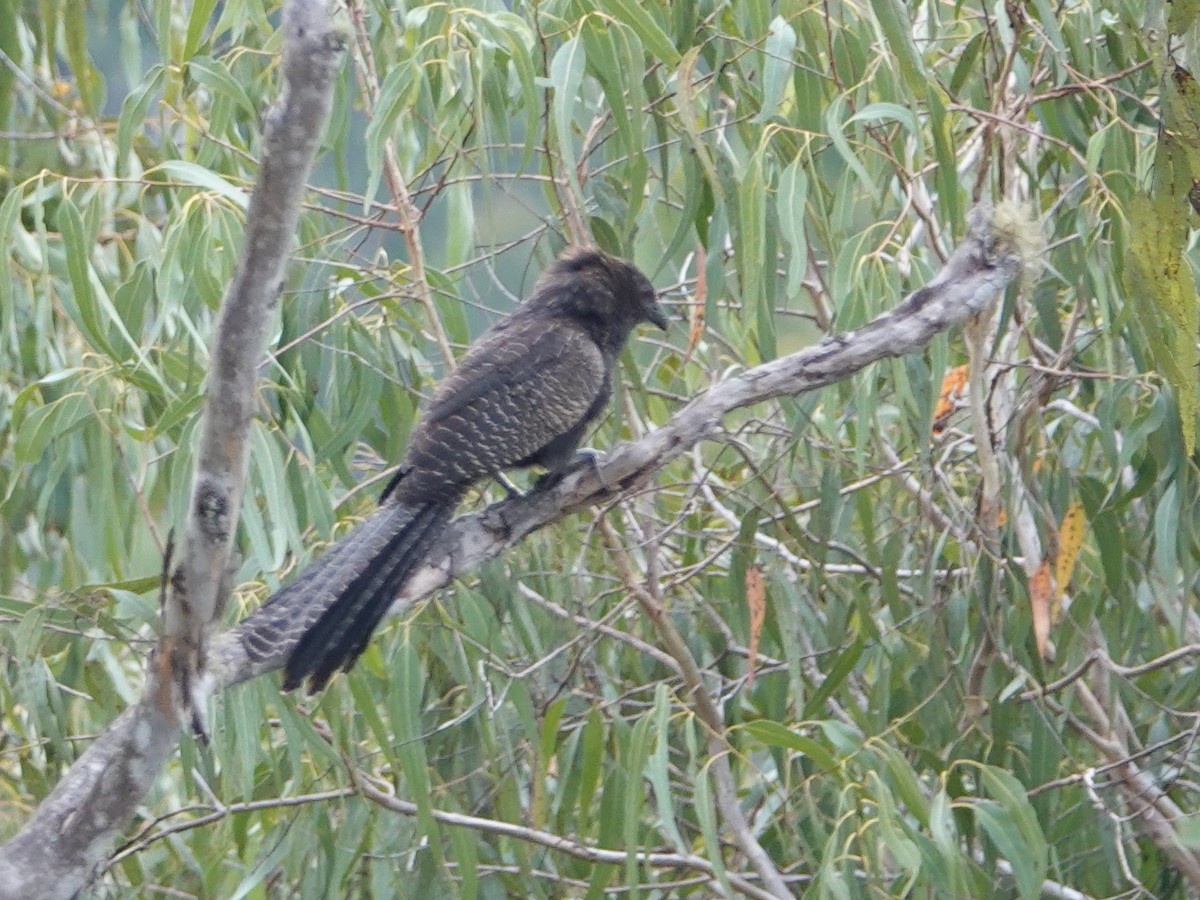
(584, 457)
(590, 457)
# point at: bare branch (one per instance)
(141, 842)
(552, 841)
(1158, 662)
(1152, 811)
(292, 131)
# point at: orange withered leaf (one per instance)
(1070, 539)
(1041, 594)
(697, 329)
(756, 602)
(954, 385)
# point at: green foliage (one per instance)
(1159, 277)
(808, 164)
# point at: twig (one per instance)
(410, 216)
(557, 842)
(1157, 663)
(222, 812)
(1049, 888)
(601, 627)
(1060, 683)
(706, 711)
(1154, 813)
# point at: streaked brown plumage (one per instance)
(523, 395)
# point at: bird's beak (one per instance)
(658, 315)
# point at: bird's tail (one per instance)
(337, 602)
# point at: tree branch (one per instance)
(292, 131)
(71, 832)
(586, 852)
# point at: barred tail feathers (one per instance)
(340, 634)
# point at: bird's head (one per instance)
(603, 292)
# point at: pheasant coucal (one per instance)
(523, 395)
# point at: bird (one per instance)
(523, 395)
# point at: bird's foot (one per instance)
(584, 457)
(495, 521)
(591, 458)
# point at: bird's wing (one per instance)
(517, 390)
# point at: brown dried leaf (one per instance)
(1041, 594)
(954, 385)
(1070, 539)
(697, 329)
(756, 602)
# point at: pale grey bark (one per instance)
(73, 830)
(292, 131)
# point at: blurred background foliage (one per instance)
(782, 170)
